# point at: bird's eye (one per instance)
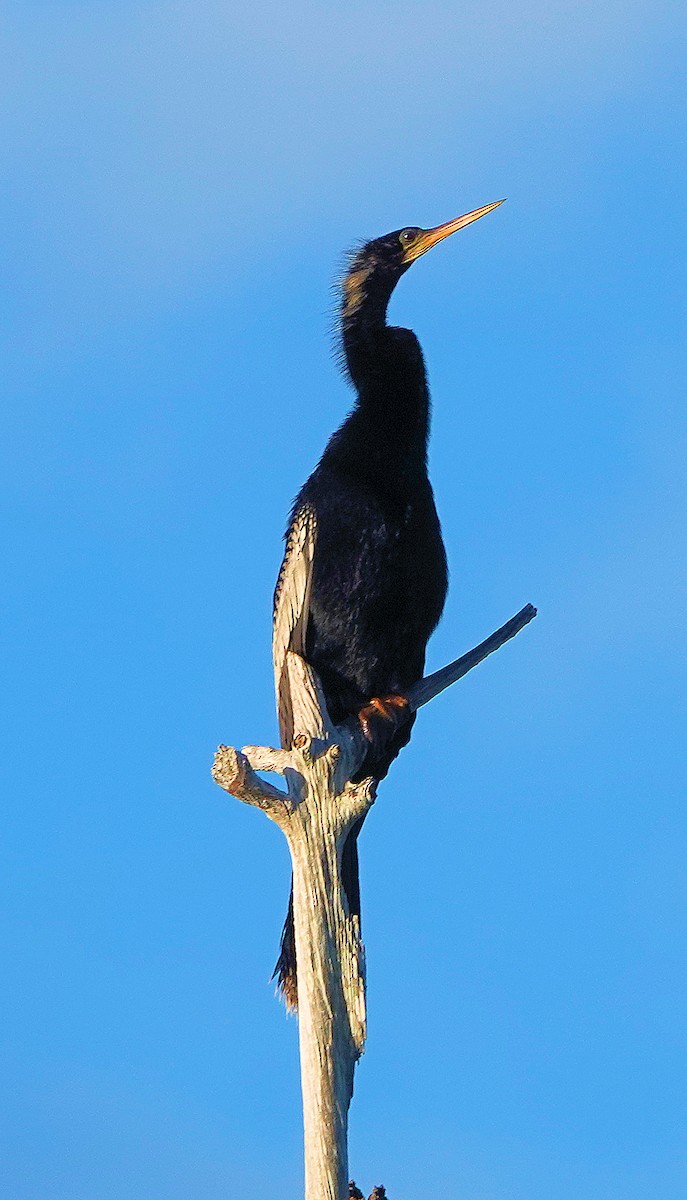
(407, 237)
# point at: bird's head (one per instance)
(377, 266)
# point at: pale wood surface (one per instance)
(316, 811)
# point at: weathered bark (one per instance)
(316, 813)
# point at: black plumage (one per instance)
(376, 580)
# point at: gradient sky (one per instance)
(181, 180)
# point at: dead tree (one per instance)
(316, 812)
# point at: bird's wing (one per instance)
(291, 610)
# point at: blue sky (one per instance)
(181, 181)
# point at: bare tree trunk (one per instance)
(316, 813)
(330, 1041)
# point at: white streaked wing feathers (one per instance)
(291, 610)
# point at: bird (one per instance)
(364, 576)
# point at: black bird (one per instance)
(364, 576)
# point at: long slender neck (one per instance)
(386, 366)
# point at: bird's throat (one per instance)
(387, 369)
(391, 417)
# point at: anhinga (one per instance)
(364, 576)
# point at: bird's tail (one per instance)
(285, 970)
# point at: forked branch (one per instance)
(316, 813)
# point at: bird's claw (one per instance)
(381, 719)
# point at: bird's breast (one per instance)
(379, 584)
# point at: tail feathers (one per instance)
(285, 970)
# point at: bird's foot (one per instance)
(382, 718)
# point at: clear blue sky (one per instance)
(181, 182)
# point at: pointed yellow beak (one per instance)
(430, 237)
